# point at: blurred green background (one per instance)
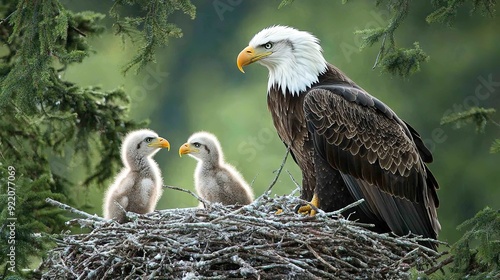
(195, 85)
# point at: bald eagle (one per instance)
(348, 144)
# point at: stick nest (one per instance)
(223, 242)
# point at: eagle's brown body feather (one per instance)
(349, 146)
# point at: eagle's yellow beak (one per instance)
(186, 149)
(248, 56)
(160, 143)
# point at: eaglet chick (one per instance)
(138, 186)
(215, 180)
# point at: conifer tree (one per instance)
(42, 115)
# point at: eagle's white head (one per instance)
(294, 58)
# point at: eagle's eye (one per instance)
(197, 145)
(148, 139)
(267, 46)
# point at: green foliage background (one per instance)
(195, 85)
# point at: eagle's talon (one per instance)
(308, 209)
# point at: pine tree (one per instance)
(477, 253)
(43, 115)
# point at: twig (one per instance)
(439, 265)
(123, 211)
(331, 267)
(246, 269)
(382, 48)
(74, 210)
(343, 209)
(200, 199)
(297, 186)
(494, 122)
(278, 172)
(5, 19)
(293, 179)
(253, 180)
(405, 257)
(78, 31)
(231, 214)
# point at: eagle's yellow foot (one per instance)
(279, 211)
(307, 209)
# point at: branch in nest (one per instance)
(297, 186)
(278, 172)
(200, 199)
(74, 210)
(439, 265)
(343, 209)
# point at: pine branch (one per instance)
(476, 253)
(285, 3)
(495, 147)
(396, 61)
(475, 115)
(446, 11)
(404, 62)
(151, 30)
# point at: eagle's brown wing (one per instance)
(380, 158)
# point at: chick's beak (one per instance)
(248, 56)
(186, 149)
(160, 143)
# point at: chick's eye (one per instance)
(148, 139)
(268, 46)
(197, 145)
